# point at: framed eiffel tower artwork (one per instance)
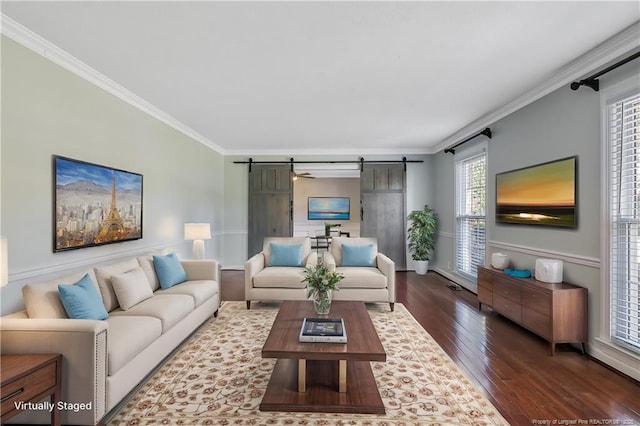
(94, 204)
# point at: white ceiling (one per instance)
(333, 77)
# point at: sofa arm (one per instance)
(329, 261)
(201, 269)
(83, 345)
(312, 260)
(388, 269)
(251, 268)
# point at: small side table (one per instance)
(30, 378)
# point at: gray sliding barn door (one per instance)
(382, 209)
(270, 204)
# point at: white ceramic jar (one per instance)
(499, 260)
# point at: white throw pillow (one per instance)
(104, 274)
(131, 288)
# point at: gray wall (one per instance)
(561, 124)
(47, 110)
(419, 192)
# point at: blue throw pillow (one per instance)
(82, 300)
(285, 254)
(358, 255)
(169, 270)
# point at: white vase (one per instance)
(421, 266)
(499, 260)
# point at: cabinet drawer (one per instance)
(507, 307)
(536, 300)
(485, 279)
(27, 387)
(508, 290)
(537, 322)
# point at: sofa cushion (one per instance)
(169, 270)
(146, 263)
(127, 337)
(336, 246)
(82, 300)
(305, 241)
(104, 273)
(361, 277)
(279, 277)
(168, 308)
(358, 255)
(131, 288)
(199, 290)
(42, 300)
(285, 254)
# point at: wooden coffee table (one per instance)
(323, 377)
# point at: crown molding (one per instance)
(34, 42)
(608, 51)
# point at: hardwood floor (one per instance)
(510, 365)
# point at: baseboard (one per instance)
(461, 281)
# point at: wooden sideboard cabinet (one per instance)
(555, 312)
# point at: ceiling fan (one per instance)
(305, 175)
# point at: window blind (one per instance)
(471, 189)
(624, 189)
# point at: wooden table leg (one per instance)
(302, 375)
(342, 373)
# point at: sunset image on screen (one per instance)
(543, 194)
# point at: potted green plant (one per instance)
(320, 284)
(422, 237)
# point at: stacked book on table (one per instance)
(329, 330)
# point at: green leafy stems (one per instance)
(320, 280)
(422, 232)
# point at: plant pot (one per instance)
(322, 302)
(421, 266)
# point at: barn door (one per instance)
(382, 209)
(270, 204)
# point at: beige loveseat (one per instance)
(374, 283)
(103, 360)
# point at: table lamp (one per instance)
(198, 232)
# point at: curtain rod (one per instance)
(593, 81)
(360, 161)
(486, 132)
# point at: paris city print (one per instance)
(95, 205)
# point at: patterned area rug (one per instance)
(218, 378)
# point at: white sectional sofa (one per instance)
(103, 360)
(372, 283)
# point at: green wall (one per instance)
(48, 110)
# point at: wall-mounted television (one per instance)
(543, 194)
(328, 208)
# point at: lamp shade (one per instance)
(197, 231)
(4, 264)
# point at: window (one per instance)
(623, 145)
(471, 189)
